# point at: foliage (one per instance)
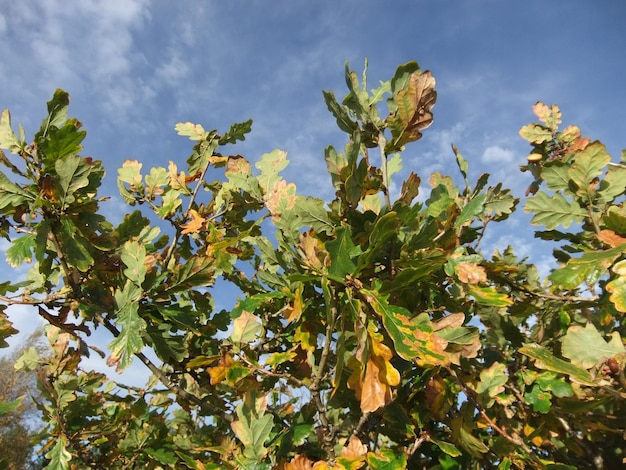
(18, 413)
(370, 332)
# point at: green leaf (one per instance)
(6, 408)
(342, 250)
(270, 165)
(536, 133)
(471, 210)
(341, 115)
(312, 213)
(554, 211)
(63, 142)
(11, 195)
(556, 176)
(446, 447)
(21, 250)
(162, 456)
(8, 139)
(134, 256)
(386, 459)
(29, 360)
(252, 428)
(545, 360)
(492, 382)
(131, 325)
(489, 296)
(59, 456)
(236, 132)
(75, 246)
(586, 347)
(540, 400)
(412, 338)
(73, 174)
(57, 111)
(588, 164)
(588, 267)
(558, 386)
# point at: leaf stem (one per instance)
(382, 141)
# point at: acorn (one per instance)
(534, 157)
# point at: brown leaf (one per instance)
(415, 104)
(373, 391)
(470, 273)
(237, 164)
(611, 238)
(355, 449)
(453, 320)
(195, 224)
(300, 462)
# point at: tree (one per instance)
(371, 332)
(19, 415)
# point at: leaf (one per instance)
(413, 114)
(280, 199)
(246, 328)
(132, 326)
(387, 459)
(448, 448)
(554, 211)
(57, 111)
(489, 296)
(59, 457)
(412, 339)
(312, 213)
(11, 195)
(270, 165)
(8, 139)
(588, 267)
(551, 116)
(617, 287)
(237, 132)
(73, 174)
(21, 250)
(536, 133)
(588, 164)
(470, 273)
(6, 328)
(539, 399)
(195, 224)
(492, 382)
(341, 115)
(6, 408)
(252, 428)
(545, 360)
(193, 131)
(342, 250)
(586, 347)
(63, 142)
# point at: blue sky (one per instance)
(134, 68)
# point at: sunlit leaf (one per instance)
(554, 211)
(586, 347)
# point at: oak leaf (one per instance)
(196, 223)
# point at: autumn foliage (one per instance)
(370, 331)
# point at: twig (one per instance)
(383, 166)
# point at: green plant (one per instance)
(370, 331)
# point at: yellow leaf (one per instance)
(196, 223)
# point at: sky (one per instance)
(135, 68)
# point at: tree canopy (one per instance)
(371, 331)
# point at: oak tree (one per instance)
(371, 331)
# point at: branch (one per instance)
(163, 378)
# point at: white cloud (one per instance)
(497, 154)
